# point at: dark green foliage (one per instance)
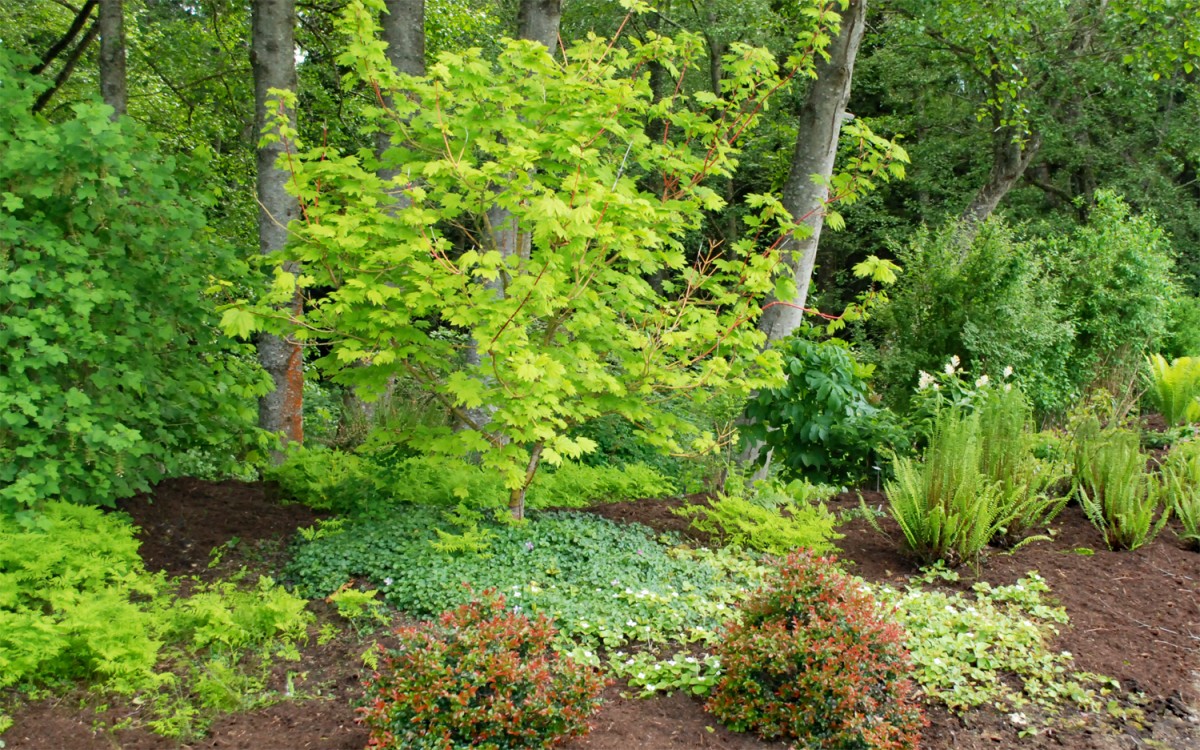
(821, 423)
(989, 302)
(110, 367)
(482, 676)
(815, 660)
(1183, 330)
(583, 567)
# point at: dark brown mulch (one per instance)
(1135, 616)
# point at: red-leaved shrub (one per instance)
(814, 660)
(480, 677)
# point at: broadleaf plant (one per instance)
(606, 307)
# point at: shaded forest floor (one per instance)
(1135, 616)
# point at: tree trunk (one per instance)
(820, 123)
(820, 126)
(272, 55)
(516, 498)
(1010, 159)
(403, 30)
(112, 56)
(538, 21)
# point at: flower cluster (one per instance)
(815, 660)
(482, 676)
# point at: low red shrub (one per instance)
(480, 677)
(814, 660)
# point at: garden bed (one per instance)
(1135, 617)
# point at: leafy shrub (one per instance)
(1183, 331)
(1181, 487)
(1027, 483)
(482, 676)
(112, 365)
(64, 584)
(947, 507)
(1175, 388)
(774, 529)
(821, 422)
(604, 584)
(349, 482)
(991, 302)
(1119, 497)
(814, 659)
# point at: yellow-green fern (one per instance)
(1175, 388)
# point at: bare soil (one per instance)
(1135, 617)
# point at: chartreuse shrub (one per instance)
(814, 659)
(1119, 496)
(604, 584)
(112, 365)
(482, 675)
(1027, 482)
(76, 604)
(1181, 488)
(1175, 388)
(777, 519)
(356, 482)
(947, 506)
(991, 646)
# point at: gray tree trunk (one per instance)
(820, 123)
(272, 56)
(402, 28)
(539, 20)
(820, 126)
(112, 56)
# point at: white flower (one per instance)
(1008, 371)
(952, 365)
(387, 581)
(1007, 387)
(631, 623)
(651, 688)
(982, 381)
(641, 675)
(517, 594)
(925, 381)
(690, 660)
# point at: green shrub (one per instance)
(1027, 483)
(815, 660)
(374, 481)
(1175, 388)
(1119, 497)
(76, 603)
(992, 303)
(112, 365)
(774, 529)
(1183, 331)
(481, 676)
(1181, 487)
(821, 422)
(947, 507)
(604, 584)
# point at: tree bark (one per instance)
(1010, 159)
(81, 18)
(113, 87)
(67, 68)
(820, 122)
(272, 56)
(539, 20)
(820, 126)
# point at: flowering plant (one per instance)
(481, 676)
(953, 387)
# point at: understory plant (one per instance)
(481, 676)
(1119, 496)
(1175, 388)
(814, 659)
(76, 604)
(1181, 488)
(774, 528)
(947, 506)
(1027, 483)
